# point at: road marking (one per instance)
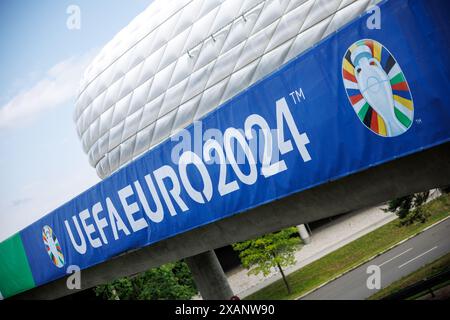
(420, 255)
(395, 257)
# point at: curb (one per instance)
(371, 258)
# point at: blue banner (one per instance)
(359, 98)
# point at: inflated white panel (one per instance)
(181, 59)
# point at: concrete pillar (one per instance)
(209, 277)
(304, 234)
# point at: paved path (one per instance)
(394, 264)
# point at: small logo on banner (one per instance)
(377, 88)
(52, 246)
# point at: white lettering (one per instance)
(191, 158)
(73, 282)
(101, 223)
(80, 248)
(374, 280)
(232, 133)
(73, 22)
(167, 172)
(131, 209)
(301, 140)
(89, 228)
(157, 215)
(115, 220)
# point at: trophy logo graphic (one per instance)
(52, 246)
(377, 88)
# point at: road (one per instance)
(394, 264)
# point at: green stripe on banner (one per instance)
(15, 272)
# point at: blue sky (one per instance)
(41, 62)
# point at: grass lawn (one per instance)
(351, 255)
(426, 271)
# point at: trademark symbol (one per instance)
(297, 96)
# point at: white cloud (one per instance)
(59, 85)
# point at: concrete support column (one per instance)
(209, 277)
(304, 234)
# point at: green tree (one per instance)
(172, 281)
(274, 250)
(408, 208)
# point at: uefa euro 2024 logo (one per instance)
(377, 88)
(52, 246)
